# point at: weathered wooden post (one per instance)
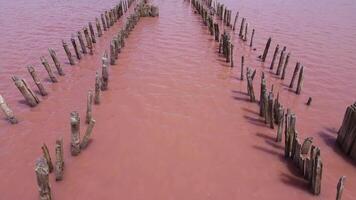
(216, 30)
(42, 172)
(37, 81)
(88, 132)
(75, 137)
(250, 89)
(281, 61)
(246, 29)
(317, 175)
(104, 74)
(69, 54)
(59, 165)
(300, 81)
(285, 66)
(262, 93)
(270, 110)
(265, 52)
(242, 67)
(296, 69)
(107, 19)
(28, 94)
(103, 21)
(89, 113)
(280, 124)
(242, 27)
(75, 47)
(7, 111)
(236, 17)
(56, 62)
(48, 69)
(98, 27)
(97, 88)
(47, 156)
(232, 55)
(92, 33)
(81, 42)
(112, 53)
(340, 187)
(252, 35)
(88, 40)
(274, 57)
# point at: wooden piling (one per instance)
(270, 110)
(47, 156)
(274, 57)
(48, 69)
(88, 40)
(340, 187)
(98, 27)
(103, 21)
(300, 81)
(88, 132)
(281, 61)
(75, 137)
(317, 175)
(262, 93)
(107, 19)
(81, 42)
(309, 101)
(280, 124)
(285, 66)
(232, 55)
(7, 111)
(236, 17)
(112, 53)
(252, 35)
(59, 165)
(37, 81)
(246, 30)
(97, 89)
(68, 53)
(56, 62)
(28, 94)
(265, 52)
(242, 67)
(76, 49)
(296, 70)
(42, 172)
(89, 112)
(104, 75)
(217, 33)
(242, 27)
(92, 33)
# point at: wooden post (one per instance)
(59, 165)
(265, 52)
(75, 137)
(246, 29)
(103, 21)
(104, 75)
(75, 47)
(48, 69)
(232, 55)
(274, 57)
(29, 95)
(300, 81)
(252, 35)
(242, 68)
(281, 61)
(236, 17)
(309, 101)
(270, 110)
(69, 54)
(340, 187)
(317, 175)
(107, 19)
(81, 42)
(89, 113)
(86, 138)
(56, 62)
(42, 172)
(7, 111)
(280, 124)
(37, 81)
(296, 69)
(285, 66)
(47, 156)
(97, 88)
(92, 33)
(262, 93)
(98, 27)
(88, 40)
(242, 27)
(250, 89)
(112, 54)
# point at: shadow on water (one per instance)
(255, 121)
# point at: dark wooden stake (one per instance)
(47, 156)
(300, 81)
(81, 42)
(274, 57)
(296, 69)
(265, 52)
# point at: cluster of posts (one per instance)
(305, 156)
(346, 138)
(44, 165)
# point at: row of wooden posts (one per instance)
(305, 156)
(108, 18)
(44, 165)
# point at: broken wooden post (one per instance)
(76, 48)
(103, 21)
(280, 124)
(88, 40)
(317, 175)
(89, 113)
(69, 54)
(28, 94)
(274, 56)
(98, 27)
(59, 165)
(340, 187)
(347, 132)
(88, 132)
(242, 68)
(285, 66)
(281, 61)
(97, 88)
(37, 81)
(309, 101)
(232, 54)
(253, 34)
(112, 53)
(265, 52)
(56, 62)
(47, 156)
(242, 27)
(81, 42)
(7, 111)
(75, 137)
(42, 172)
(92, 33)
(48, 69)
(296, 69)
(236, 17)
(300, 81)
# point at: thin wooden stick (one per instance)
(92, 33)
(285, 66)
(300, 81)
(89, 113)
(236, 18)
(274, 57)
(340, 187)
(242, 68)
(97, 88)
(47, 156)
(252, 35)
(98, 27)
(88, 40)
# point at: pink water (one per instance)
(175, 123)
